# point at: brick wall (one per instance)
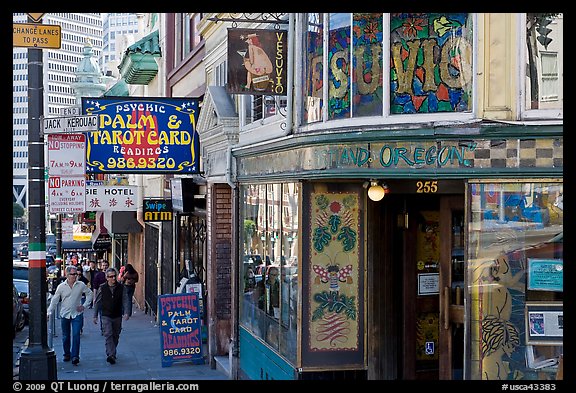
(219, 227)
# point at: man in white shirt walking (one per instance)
(71, 311)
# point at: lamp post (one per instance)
(38, 360)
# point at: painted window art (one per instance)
(431, 63)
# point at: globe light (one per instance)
(376, 192)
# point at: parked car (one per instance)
(20, 270)
(51, 250)
(23, 251)
(20, 281)
(18, 318)
(24, 296)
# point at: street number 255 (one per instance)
(426, 187)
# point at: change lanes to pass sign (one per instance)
(83, 123)
(66, 194)
(32, 35)
(66, 154)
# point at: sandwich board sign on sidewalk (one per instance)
(180, 328)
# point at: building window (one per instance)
(515, 277)
(549, 63)
(269, 264)
(428, 60)
(543, 76)
(260, 107)
(188, 35)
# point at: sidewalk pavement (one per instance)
(138, 355)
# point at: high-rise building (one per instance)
(114, 26)
(59, 67)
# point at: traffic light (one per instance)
(543, 31)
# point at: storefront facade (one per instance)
(437, 280)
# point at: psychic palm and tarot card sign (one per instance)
(143, 135)
(180, 328)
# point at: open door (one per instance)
(433, 286)
(451, 343)
(417, 282)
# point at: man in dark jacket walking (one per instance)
(112, 301)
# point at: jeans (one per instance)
(130, 290)
(71, 332)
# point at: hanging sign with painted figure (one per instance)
(143, 135)
(257, 61)
(112, 198)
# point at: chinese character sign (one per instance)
(180, 328)
(143, 135)
(111, 198)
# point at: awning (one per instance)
(120, 89)
(77, 246)
(122, 222)
(138, 66)
(101, 239)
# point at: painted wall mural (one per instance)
(334, 284)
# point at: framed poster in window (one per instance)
(544, 323)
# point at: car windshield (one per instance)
(21, 286)
(20, 273)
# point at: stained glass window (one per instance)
(431, 63)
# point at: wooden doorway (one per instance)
(418, 284)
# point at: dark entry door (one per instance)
(417, 281)
(431, 234)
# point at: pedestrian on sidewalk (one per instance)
(129, 278)
(111, 303)
(99, 279)
(70, 292)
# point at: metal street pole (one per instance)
(37, 360)
(58, 259)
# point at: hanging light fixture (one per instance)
(376, 192)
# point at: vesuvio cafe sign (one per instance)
(143, 135)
